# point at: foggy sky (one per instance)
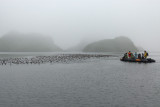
(71, 21)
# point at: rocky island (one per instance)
(18, 42)
(118, 44)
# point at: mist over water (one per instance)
(70, 22)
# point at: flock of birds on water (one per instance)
(63, 58)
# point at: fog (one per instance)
(69, 22)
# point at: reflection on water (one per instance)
(97, 82)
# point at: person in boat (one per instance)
(145, 54)
(135, 55)
(129, 54)
(132, 56)
(139, 56)
(142, 56)
(125, 56)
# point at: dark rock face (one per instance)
(17, 42)
(119, 44)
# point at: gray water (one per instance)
(94, 82)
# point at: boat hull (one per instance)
(148, 60)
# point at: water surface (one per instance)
(94, 82)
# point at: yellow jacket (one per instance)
(145, 54)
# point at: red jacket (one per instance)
(129, 54)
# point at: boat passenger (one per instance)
(129, 54)
(136, 55)
(125, 56)
(139, 56)
(132, 56)
(142, 56)
(145, 54)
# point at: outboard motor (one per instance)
(150, 60)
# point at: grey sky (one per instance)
(70, 21)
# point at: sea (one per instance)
(91, 82)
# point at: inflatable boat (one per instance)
(148, 60)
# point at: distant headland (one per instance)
(18, 42)
(118, 44)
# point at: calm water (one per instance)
(95, 82)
